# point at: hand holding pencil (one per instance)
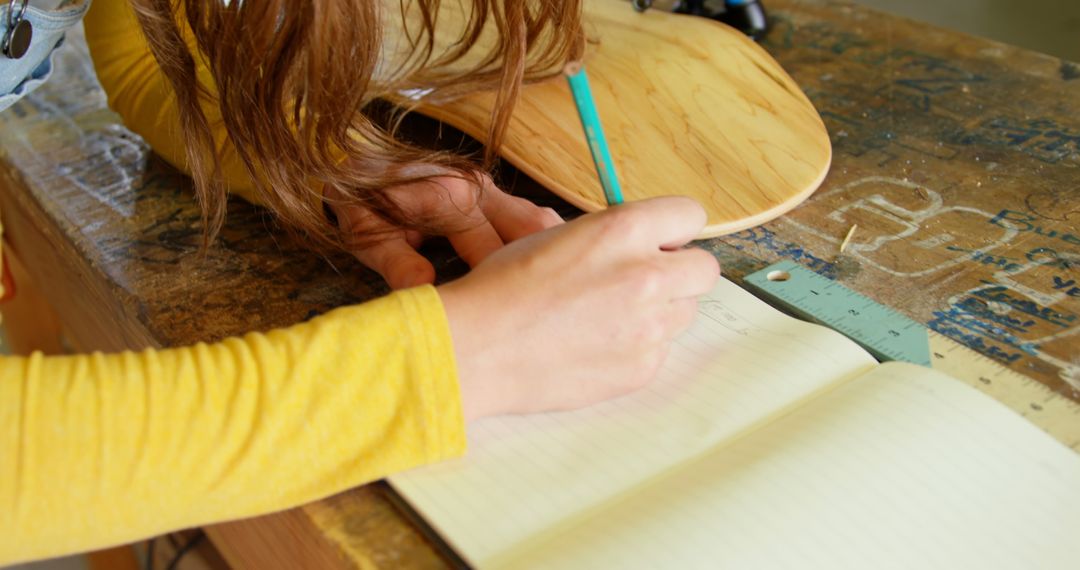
(607, 292)
(579, 313)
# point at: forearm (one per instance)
(107, 449)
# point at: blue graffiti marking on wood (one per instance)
(1042, 138)
(1001, 294)
(766, 239)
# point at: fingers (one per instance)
(692, 272)
(457, 197)
(489, 218)
(512, 217)
(394, 257)
(485, 220)
(476, 243)
(668, 222)
(398, 263)
(482, 222)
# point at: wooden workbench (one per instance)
(958, 158)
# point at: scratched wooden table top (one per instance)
(958, 158)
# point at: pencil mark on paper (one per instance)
(719, 313)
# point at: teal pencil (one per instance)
(594, 133)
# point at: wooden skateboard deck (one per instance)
(690, 106)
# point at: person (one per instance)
(270, 100)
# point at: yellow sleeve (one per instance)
(102, 449)
(139, 92)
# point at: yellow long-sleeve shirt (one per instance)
(97, 450)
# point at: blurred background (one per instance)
(1049, 26)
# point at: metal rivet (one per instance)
(18, 41)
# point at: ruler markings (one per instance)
(890, 335)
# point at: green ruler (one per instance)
(889, 335)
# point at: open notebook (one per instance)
(766, 442)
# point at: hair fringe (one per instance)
(296, 80)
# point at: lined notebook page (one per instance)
(741, 362)
(903, 468)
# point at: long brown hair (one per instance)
(296, 82)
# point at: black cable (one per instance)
(191, 543)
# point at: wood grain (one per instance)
(689, 107)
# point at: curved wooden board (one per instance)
(690, 106)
